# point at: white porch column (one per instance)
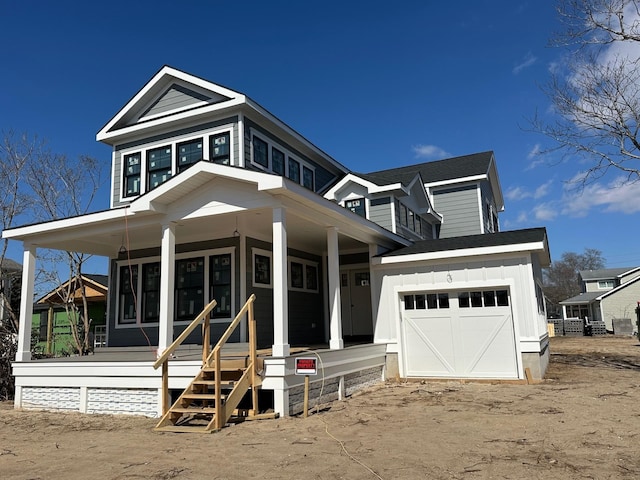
(333, 270)
(26, 303)
(280, 285)
(167, 287)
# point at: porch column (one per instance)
(333, 270)
(26, 303)
(280, 285)
(167, 281)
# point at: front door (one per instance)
(355, 294)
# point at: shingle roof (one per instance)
(437, 171)
(9, 265)
(513, 237)
(101, 279)
(605, 273)
(582, 298)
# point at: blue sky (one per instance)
(376, 85)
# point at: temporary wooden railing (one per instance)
(163, 360)
(213, 360)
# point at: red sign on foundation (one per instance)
(306, 366)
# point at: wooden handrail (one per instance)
(232, 326)
(182, 337)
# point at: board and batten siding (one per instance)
(459, 208)
(380, 212)
(456, 276)
(175, 136)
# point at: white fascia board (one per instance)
(372, 188)
(103, 135)
(455, 181)
(461, 253)
(164, 72)
(280, 124)
(20, 233)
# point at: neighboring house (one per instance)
(10, 280)
(51, 321)
(397, 273)
(607, 294)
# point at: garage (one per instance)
(458, 334)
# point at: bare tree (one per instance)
(63, 188)
(595, 90)
(561, 279)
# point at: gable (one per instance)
(178, 97)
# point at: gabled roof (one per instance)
(9, 265)
(96, 288)
(589, 297)
(607, 273)
(450, 171)
(531, 239)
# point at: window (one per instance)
(277, 161)
(356, 206)
(403, 215)
(189, 153)
(219, 151)
(189, 285)
(429, 301)
(294, 170)
(158, 166)
(261, 270)
(128, 287)
(307, 177)
(260, 153)
(411, 220)
(418, 226)
(132, 174)
(151, 292)
(220, 272)
(605, 284)
(486, 298)
(303, 275)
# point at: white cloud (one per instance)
(536, 157)
(615, 196)
(520, 193)
(526, 62)
(542, 190)
(430, 151)
(545, 211)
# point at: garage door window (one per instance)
(430, 301)
(485, 298)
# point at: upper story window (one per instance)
(260, 152)
(159, 166)
(161, 162)
(189, 153)
(269, 156)
(132, 169)
(605, 284)
(219, 151)
(356, 206)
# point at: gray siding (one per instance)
(459, 208)
(169, 137)
(380, 212)
(175, 97)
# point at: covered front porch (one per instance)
(213, 233)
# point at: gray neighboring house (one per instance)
(607, 294)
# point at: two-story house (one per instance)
(607, 294)
(397, 273)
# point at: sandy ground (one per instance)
(582, 422)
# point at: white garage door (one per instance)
(458, 335)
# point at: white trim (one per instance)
(241, 154)
(457, 181)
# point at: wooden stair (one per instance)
(200, 409)
(214, 396)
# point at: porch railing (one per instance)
(212, 359)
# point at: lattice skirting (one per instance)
(328, 391)
(92, 400)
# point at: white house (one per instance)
(398, 273)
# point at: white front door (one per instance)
(355, 295)
(458, 334)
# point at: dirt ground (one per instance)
(582, 422)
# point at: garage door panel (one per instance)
(431, 340)
(459, 342)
